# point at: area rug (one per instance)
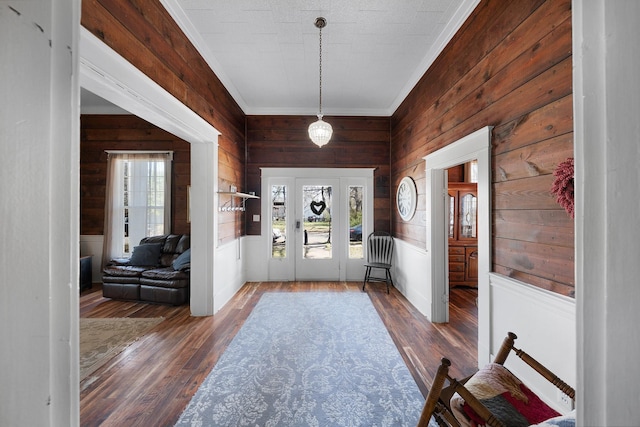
(103, 338)
(308, 359)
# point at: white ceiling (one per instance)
(266, 52)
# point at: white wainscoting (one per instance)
(257, 268)
(410, 272)
(228, 275)
(92, 245)
(545, 323)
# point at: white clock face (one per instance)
(406, 198)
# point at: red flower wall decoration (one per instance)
(563, 187)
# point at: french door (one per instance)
(315, 220)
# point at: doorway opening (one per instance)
(475, 146)
(316, 222)
(107, 75)
(462, 225)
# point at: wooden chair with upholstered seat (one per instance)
(380, 247)
(487, 397)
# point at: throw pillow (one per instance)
(183, 261)
(504, 395)
(146, 254)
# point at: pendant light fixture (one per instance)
(320, 132)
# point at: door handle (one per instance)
(297, 225)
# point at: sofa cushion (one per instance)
(146, 254)
(123, 270)
(166, 273)
(164, 295)
(124, 291)
(183, 244)
(154, 239)
(170, 243)
(183, 261)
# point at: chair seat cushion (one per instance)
(505, 396)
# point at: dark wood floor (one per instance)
(152, 381)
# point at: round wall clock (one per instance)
(406, 198)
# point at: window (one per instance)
(138, 200)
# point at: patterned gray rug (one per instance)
(308, 359)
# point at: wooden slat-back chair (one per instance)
(437, 402)
(379, 256)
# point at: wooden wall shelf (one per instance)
(231, 206)
(239, 194)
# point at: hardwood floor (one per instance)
(152, 381)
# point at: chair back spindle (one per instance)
(380, 249)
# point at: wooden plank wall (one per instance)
(283, 141)
(144, 34)
(126, 132)
(509, 66)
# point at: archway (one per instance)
(110, 76)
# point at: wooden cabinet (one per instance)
(463, 238)
(463, 266)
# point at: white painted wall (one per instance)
(229, 276)
(204, 226)
(253, 249)
(410, 270)
(39, 186)
(607, 137)
(92, 245)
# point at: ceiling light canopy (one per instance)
(320, 131)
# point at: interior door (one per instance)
(319, 234)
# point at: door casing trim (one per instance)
(288, 175)
(476, 145)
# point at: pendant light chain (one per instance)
(320, 131)
(320, 97)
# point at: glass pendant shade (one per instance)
(320, 132)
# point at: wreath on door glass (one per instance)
(563, 186)
(318, 207)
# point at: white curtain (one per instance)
(147, 200)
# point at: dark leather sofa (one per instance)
(162, 275)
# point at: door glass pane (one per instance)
(468, 216)
(356, 200)
(279, 221)
(473, 171)
(317, 231)
(452, 212)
